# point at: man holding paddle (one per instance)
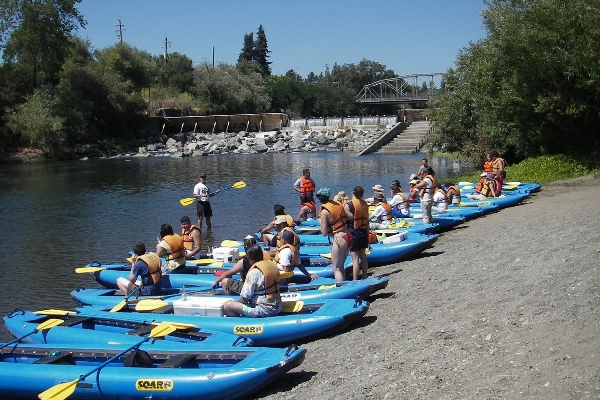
(147, 267)
(203, 194)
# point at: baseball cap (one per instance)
(378, 196)
(378, 187)
(280, 220)
(483, 174)
(324, 192)
(489, 176)
(413, 177)
(202, 174)
(413, 182)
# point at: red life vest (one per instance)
(307, 186)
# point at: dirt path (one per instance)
(505, 306)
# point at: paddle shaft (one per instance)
(18, 339)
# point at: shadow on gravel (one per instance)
(285, 383)
(380, 295)
(427, 254)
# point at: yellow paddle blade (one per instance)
(202, 261)
(177, 325)
(60, 391)
(325, 287)
(512, 183)
(509, 187)
(386, 231)
(217, 264)
(308, 229)
(231, 243)
(292, 306)
(468, 187)
(150, 305)
(187, 201)
(119, 306)
(54, 312)
(285, 275)
(239, 185)
(326, 255)
(242, 253)
(162, 329)
(129, 259)
(51, 323)
(85, 270)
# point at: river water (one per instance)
(63, 215)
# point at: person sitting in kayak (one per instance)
(399, 202)
(147, 268)
(267, 236)
(288, 256)
(260, 295)
(192, 238)
(439, 204)
(275, 240)
(381, 215)
(452, 193)
(413, 193)
(486, 188)
(307, 210)
(172, 248)
(234, 286)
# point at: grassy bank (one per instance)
(542, 170)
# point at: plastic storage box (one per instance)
(205, 306)
(226, 254)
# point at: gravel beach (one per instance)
(502, 307)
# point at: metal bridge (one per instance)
(416, 88)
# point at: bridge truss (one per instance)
(416, 88)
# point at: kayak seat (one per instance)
(53, 358)
(72, 321)
(141, 331)
(177, 361)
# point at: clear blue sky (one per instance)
(409, 37)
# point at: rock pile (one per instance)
(284, 141)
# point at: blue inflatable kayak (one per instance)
(319, 289)
(122, 371)
(310, 320)
(104, 331)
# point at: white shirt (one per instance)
(379, 214)
(439, 201)
(428, 185)
(285, 258)
(398, 200)
(202, 190)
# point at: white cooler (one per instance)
(226, 254)
(205, 306)
(398, 237)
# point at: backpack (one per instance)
(138, 358)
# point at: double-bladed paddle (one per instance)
(51, 323)
(190, 200)
(64, 390)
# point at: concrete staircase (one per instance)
(409, 141)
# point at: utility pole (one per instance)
(120, 29)
(167, 45)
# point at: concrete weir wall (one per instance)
(219, 123)
(385, 138)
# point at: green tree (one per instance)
(226, 90)
(247, 54)
(261, 49)
(530, 87)
(38, 36)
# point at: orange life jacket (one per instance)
(188, 240)
(388, 211)
(153, 262)
(430, 190)
(488, 166)
(496, 165)
(307, 186)
(177, 248)
(361, 214)
(296, 254)
(452, 191)
(486, 188)
(271, 273)
(337, 215)
(296, 238)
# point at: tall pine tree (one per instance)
(256, 52)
